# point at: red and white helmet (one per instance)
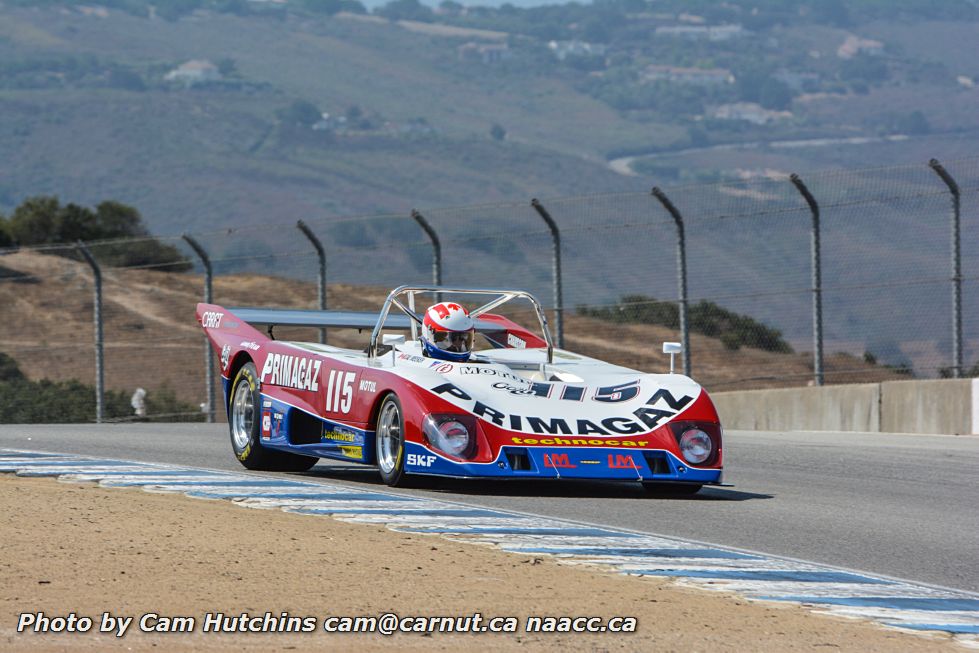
(448, 332)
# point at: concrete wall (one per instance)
(949, 406)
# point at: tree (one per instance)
(127, 80)
(33, 222)
(331, 7)
(864, 67)
(774, 95)
(227, 66)
(450, 7)
(43, 220)
(6, 240)
(9, 371)
(497, 133)
(405, 10)
(115, 219)
(300, 112)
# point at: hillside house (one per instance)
(749, 112)
(195, 71)
(854, 45)
(693, 76)
(702, 32)
(484, 52)
(564, 49)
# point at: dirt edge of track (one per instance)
(89, 550)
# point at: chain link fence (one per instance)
(608, 272)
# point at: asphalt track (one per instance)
(898, 505)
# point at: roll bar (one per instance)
(502, 297)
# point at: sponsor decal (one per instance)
(515, 342)
(277, 419)
(266, 424)
(352, 452)
(420, 460)
(211, 320)
(409, 357)
(489, 371)
(225, 356)
(297, 372)
(368, 386)
(573, 393)
(246, 344)
(528, 390)
(660, 408)
(578, 442)
(589, 462)
(267, 403)
(443, 368)
(340, 435)
(619, 461)
(560, 460)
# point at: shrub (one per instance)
(707, 318)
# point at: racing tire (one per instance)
(390, 440)
(244, 425)
(672, 489)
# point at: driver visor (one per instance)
(454, 341)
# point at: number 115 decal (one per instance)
(340, 391)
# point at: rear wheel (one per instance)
(244, 424)
(390, 440)
(672, 489)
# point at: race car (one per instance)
(510, 406)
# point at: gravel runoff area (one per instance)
(78, 548)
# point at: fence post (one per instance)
(681, 271)
(953, 188)
(321, 279)
(436, 249)
(555, 269)
(817, 280)
(208, 350)
(97, 318)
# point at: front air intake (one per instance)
(656, 460)
(519, 460)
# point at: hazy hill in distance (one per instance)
(208, 112)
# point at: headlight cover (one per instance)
(448, 433)
(695, 446)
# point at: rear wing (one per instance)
(325, 319)
(495, 328)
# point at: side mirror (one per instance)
(672, 348)
(393, 339)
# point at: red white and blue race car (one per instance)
(429, 404)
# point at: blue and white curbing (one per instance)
(894, 603)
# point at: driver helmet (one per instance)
(448, 332)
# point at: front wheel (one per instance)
(390, 440)
(244, 417)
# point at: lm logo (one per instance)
(420, 460)
(558, 460)
(618, 461)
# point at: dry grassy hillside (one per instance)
(152, 339)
